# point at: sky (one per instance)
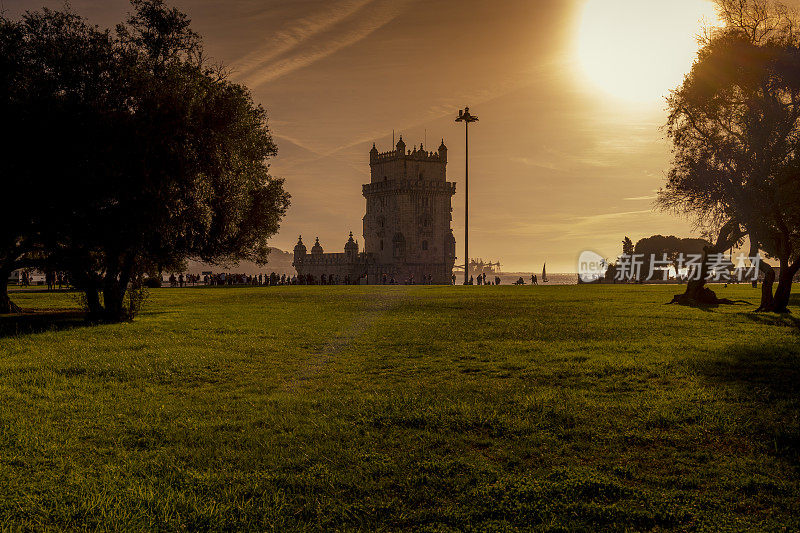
(569, 151)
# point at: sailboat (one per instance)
(544, 273)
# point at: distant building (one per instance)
(407, 233)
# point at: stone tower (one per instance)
(408, 215)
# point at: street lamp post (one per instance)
(465, 117)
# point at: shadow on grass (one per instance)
(708, 308)
(39, 322)
(773, 319)
(765, 378)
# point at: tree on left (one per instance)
(125, 153)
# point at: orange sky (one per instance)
(557, 164)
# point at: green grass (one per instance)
(385, 408)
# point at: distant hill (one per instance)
(280, 262)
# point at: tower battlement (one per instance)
(400, 164)
(414, 155)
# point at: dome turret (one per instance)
(443, 152)
(373, 154)
(401, 146)
(299, 250)
(351, 247)
(317, 248)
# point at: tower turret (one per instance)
(401, 147)
(317, 248)
(373, 154)
(351, 248)
(299, 251)
(443, 152)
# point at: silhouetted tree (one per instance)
(627, 246)
(44, 58)
(12, 224)
(668, 248)
(734, 126)
(160, 156)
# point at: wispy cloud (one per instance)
(563, 225)
(635, 198)
(297, 33)
(593, 219)
(316, 37)
(536, 163)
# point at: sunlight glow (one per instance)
(638, 50)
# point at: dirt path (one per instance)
(373, 309)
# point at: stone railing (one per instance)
(417, 155)
(340, 258)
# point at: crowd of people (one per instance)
(273, 279)
(480, 280)
(259, 280)
(52, 279)
(60, 280)
(427, 279)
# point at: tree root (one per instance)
(9, 307)
(705, 297)
(772, 309)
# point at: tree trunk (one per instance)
(113, 299)
(767, 301)
(93, 302)
(784, 290)
(115, 285)
(769, 276)
(6, 305)
(696, 291)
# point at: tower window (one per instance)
(398, 245)
(424, 245)
(381, 245)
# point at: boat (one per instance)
(544, 273)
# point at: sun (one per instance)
(638, 50)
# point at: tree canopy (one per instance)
(145, 154)
(669, 248)
(735, 131)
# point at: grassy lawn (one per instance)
(385, 408)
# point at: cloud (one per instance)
(652, 197)
(565, 226)
(297, 33)
(593, 219)
(317, 37)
